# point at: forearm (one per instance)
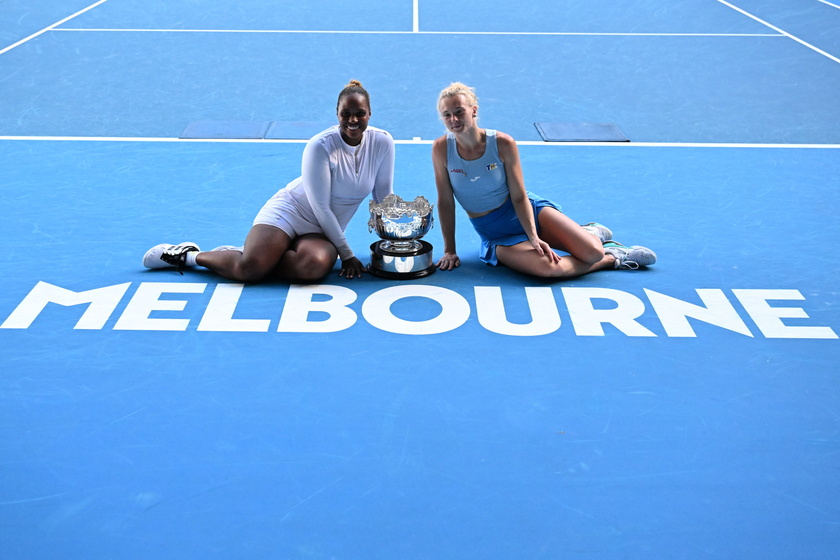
(445, 196)
(317, 184)
(446, 217)
(525, 213)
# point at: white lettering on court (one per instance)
(769, 319)
(490, 307)
(147, 300)
(219, 313)
(588, 321)
(377, 310)
(673, 313)
(327, 308)
(102, 302)
(300, 303)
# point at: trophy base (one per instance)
(401, 265)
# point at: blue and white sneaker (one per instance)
(164, 256)
(228, 248)
(629, 258)
(602, 232)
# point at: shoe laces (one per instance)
(176, 256)
(628, 265)
(622, 254)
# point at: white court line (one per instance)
(416, 17)
(413, 141)
(51, 27)
(782, 31)
(830, 4)
(343, 32)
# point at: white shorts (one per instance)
(281, 212)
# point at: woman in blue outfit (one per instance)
(480, 168)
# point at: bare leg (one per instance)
(586, 254)
(522, 257)
(563, 233)
(264, 248)
(310, 258)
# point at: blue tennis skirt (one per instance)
(502, 227)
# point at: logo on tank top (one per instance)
(492, 167)
(461, 171)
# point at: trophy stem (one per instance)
(406, 246)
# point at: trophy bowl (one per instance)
(399, 254)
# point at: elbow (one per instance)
(518, 196)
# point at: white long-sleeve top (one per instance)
(336, 178)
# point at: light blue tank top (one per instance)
(479, 185)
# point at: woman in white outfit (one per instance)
(299, 233)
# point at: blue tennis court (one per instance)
(690, 410)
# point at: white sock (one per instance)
(191, 258)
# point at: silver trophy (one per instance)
(400, 224)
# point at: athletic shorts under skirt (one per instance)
(502, 227)
(281, 212)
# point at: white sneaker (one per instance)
(602, 232)
(164, 256)
(229, 248)
(630, 258)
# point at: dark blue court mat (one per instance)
(226, 129)
(296, 130)
(580, 132)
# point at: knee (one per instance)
(591, 253)
(593, 256)
(312, 265)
